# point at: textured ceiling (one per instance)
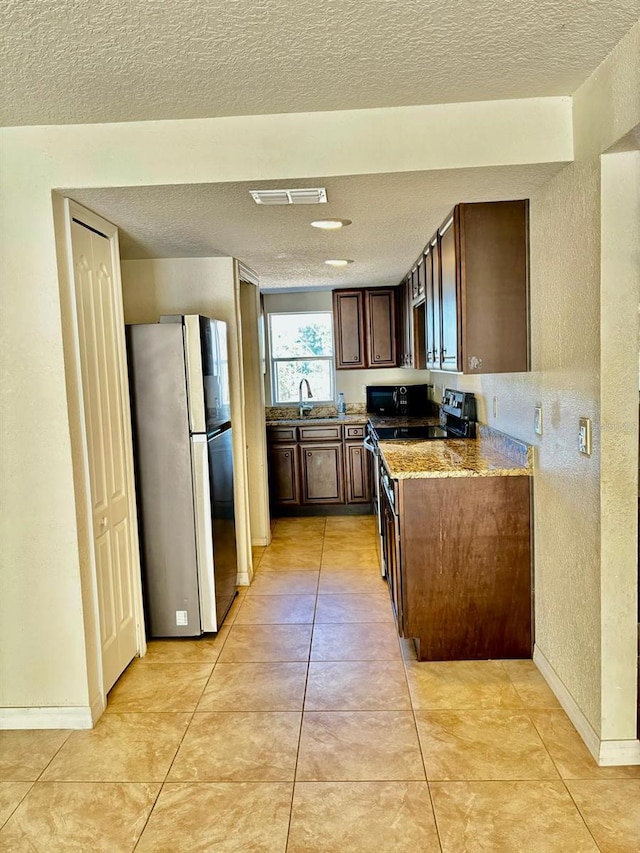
(68, 61)
(393, 217)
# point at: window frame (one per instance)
(273, 360)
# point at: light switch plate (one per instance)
(537, 421)
(584, 436)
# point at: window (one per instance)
(301, 347)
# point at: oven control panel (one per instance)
(459, 403)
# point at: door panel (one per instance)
(104, 416)
(322, 477)
(381, 327)
(449, 296)
(349, 328)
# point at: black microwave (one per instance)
(405, 400)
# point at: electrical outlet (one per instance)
(495, 407)
(537, 421)
(182, 618)
(584, 436)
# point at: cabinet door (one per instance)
(322, 473)
(381, 327)
(357, 473)
(406, 338)
(421, 280)
(348, 322)
(432, 294)
(284, 474)
(449, 290)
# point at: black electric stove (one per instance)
(457, 420)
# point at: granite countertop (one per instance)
(492, 454)
(288, 416)
(311, 421)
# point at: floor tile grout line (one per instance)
(579, 810)
(69, 734)
(166, 775)
(20, 802)
(304, 697)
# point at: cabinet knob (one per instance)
(309, 453)
(286, 455)
(377, 357)
(357, 452)
(355, 358)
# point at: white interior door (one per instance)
(96, 302)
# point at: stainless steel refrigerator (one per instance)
(179, 378)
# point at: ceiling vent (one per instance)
(305, 196)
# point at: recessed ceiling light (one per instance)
(330, 224)
(338, 263)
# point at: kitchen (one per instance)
(582, 341)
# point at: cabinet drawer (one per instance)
(283, 433)
(354, 432)
(321, 433)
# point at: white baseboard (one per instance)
(98, 705)
(243, 579)
(606, 753)
(616, 753)
(78, 717)
(260, 541)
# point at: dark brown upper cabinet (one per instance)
(476, 274)
(365, 326)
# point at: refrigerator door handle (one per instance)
(204, 532)
(195, 377)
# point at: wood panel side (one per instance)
(466, 566)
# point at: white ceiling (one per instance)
(393, 216)
(68, 61)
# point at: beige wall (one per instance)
(207, 286)
(349, 381)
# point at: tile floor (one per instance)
(306, 726)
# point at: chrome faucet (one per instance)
(304, 407)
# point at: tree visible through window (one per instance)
(301, 347)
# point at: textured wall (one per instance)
(619, 300)
(607, 105)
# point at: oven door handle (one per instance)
(368, 445)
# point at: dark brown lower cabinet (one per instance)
(321, 466)
(356, 463)
(465, 567)
(322, 478)
(284, 473)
